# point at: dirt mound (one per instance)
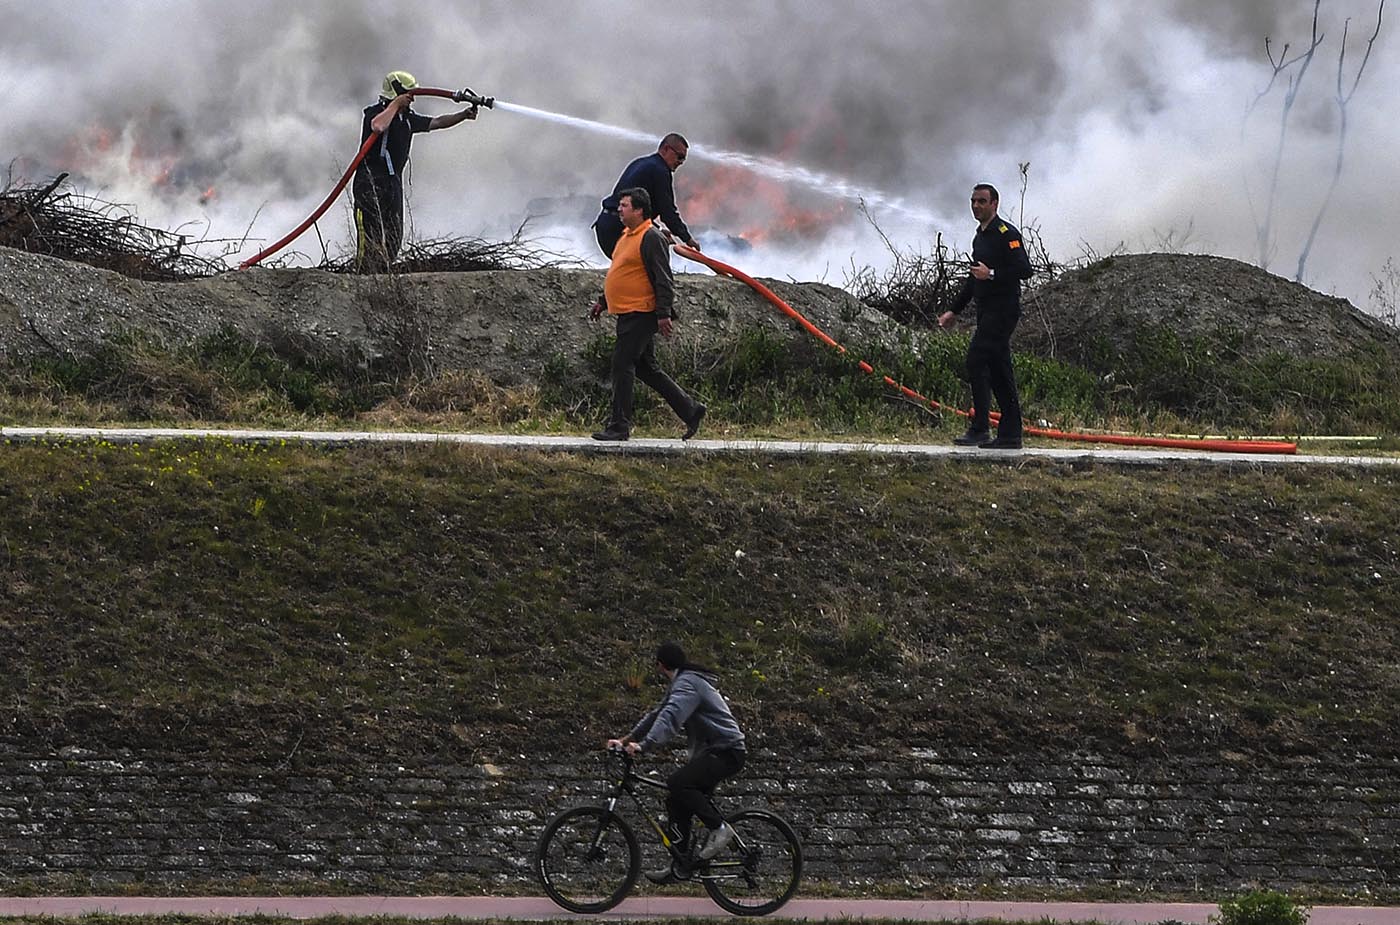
(1100, 310)
(511, 324)
(508, 323)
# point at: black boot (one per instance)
(692, 425)
(1002, 442)
(972, 437)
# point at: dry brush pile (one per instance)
(55, 221)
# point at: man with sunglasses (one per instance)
(999, 263)
(653, 174)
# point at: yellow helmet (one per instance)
(403, 79)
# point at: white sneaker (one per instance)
(719, 840)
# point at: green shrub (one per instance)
(1261, 907)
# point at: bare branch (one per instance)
(1302, 61)
(1343, 98)
(1025, 182)
(1371, 44)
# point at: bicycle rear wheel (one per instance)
(588, 859)
(761, 868)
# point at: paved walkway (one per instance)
(645, 446)
(524, 908)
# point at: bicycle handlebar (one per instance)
(619, 752)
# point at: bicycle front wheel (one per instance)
(588, 859)
(760, 869)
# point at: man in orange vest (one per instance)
(639, 290)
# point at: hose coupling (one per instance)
(468, 95)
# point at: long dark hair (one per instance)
(671, 655)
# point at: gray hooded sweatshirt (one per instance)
(694, 704)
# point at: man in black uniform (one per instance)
(999, 263)
(653, 174)
(378, 187)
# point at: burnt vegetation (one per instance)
(55, 221)
(467, 254)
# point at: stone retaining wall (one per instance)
(923, 817)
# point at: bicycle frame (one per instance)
(628, 784)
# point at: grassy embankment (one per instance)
(758, 385)
(253, 603)
(408, 602)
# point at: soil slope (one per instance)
(506, 323)
(509, 323)
(1110, 302)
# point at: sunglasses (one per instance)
(680, 155)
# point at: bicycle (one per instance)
(588, 858)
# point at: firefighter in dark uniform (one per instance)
(378, 187)
(999, 263)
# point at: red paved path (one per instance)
(534, 909)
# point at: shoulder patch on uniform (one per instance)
(1003, 229)
(1015, 244)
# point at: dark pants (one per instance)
(691, 787)
(608, 228)
(633, 358)
(378, 222)
(989, 369)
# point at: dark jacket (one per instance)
(694, 704)
(389, 156)
(1000, 247)
(651, 174)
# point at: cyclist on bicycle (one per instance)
(717, 750)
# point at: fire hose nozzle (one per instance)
(468, 95)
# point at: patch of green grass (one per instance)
(1206, 379)
(758, 384)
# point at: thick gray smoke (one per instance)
(234, 119)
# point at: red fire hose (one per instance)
(349, 172)
(1203, 443)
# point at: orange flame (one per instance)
(758, 209)
(148, 148)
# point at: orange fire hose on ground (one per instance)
(1188, 443)
(335, 193)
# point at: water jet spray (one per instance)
(763, 166)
